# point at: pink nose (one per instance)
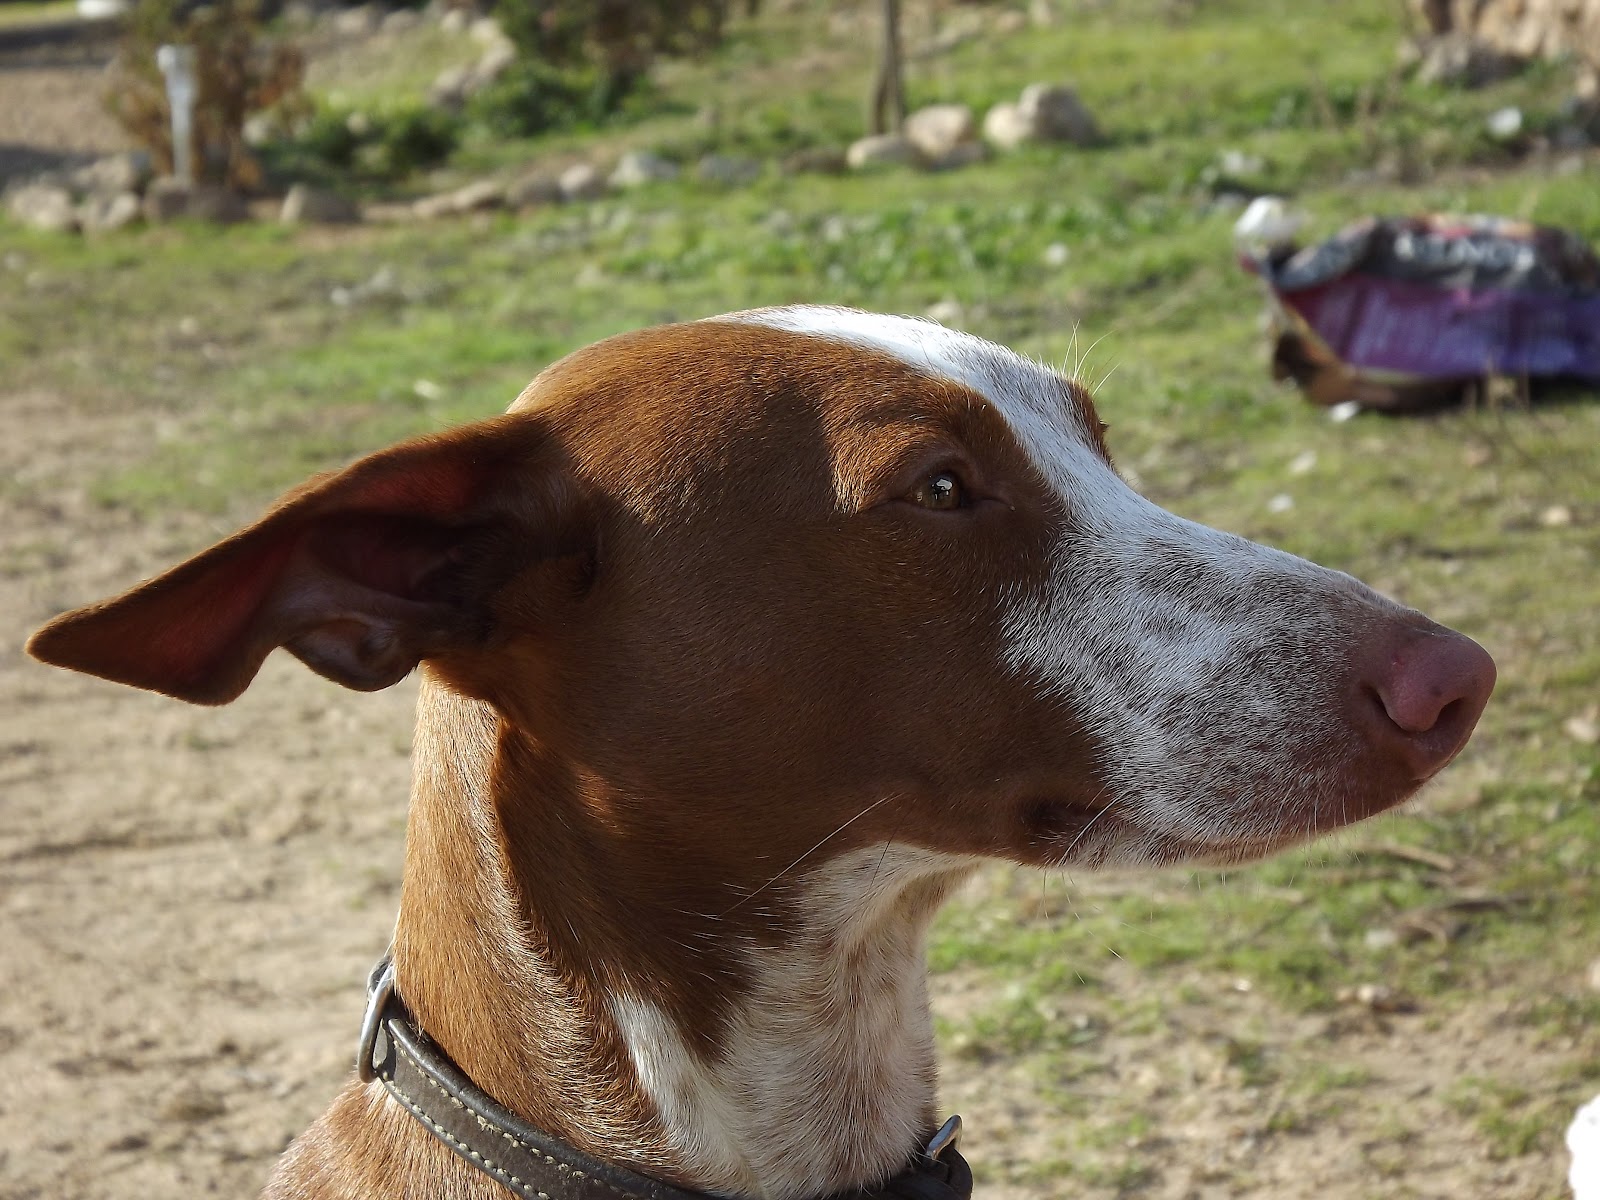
(1426, 690)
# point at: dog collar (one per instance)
(536, 1165)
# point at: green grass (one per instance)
(253, 375)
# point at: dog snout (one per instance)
(1422, 692)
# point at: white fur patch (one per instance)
(1198, 661)
(828, 1068)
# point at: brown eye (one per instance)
(941, 491)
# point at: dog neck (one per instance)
(614, 991)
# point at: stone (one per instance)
(533, 190)
(210, 202)
(486, 31)
(450, 87)
(639, 167)
(43, 206)
(963, 154)
(1461, 60)
(457, 20)
(1055, 114)
(127, 172)
(479, 196)
(938, 129)
(728, 170)
(581, 181)
(499, 58)
(401, 20)
(816, 160)
(1004, 126)
(884, 149)
(306, 205)
(358, 21)
(167, 199)
(106, 214)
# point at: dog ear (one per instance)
(360, 574)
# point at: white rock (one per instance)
(1005, 127)
(401, 20)
(457, 20)
(358, 21)
(938, 129)
(883, 149)
(473, 197)
(308, 205)
(486, 31)
(127, 172)
(639, 167)
(1504, 124)
(1055, 114)
(961, 155)
(105, 214)
(43, 206)
(534, 189)
(1267, 222)
(451, 87)
(581, 181)
(499, 58)
(728, 170)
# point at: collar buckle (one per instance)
(380, 986)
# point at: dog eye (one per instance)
(942, 491)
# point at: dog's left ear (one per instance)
(360, 574)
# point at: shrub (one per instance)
(238, 72)
(617, 38)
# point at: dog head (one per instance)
(809, 576)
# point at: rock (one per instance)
(1055, 114)
(938, 129)
(962, 155)
(401, 20)
(127, 172)
(1056, 254)
(358, 21)
(884, 149)
(534, 189)
(581, 181)
(478, 196)
(1461, 60)
(1505, 124)
(1004, 126)
(457, 20)
(450, 87)
(499, 58)
(819, 160)
(312, 206)
(105, 214)
(43, 206)
(209, 202)
(639, 167)
(947, 312)
(728, 170)
(486, 31)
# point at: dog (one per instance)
(743, 642)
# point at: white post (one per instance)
(177, 67)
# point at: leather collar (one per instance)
(537, 1166)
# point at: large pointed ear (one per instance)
(360, 574)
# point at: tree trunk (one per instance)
(887, 111)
